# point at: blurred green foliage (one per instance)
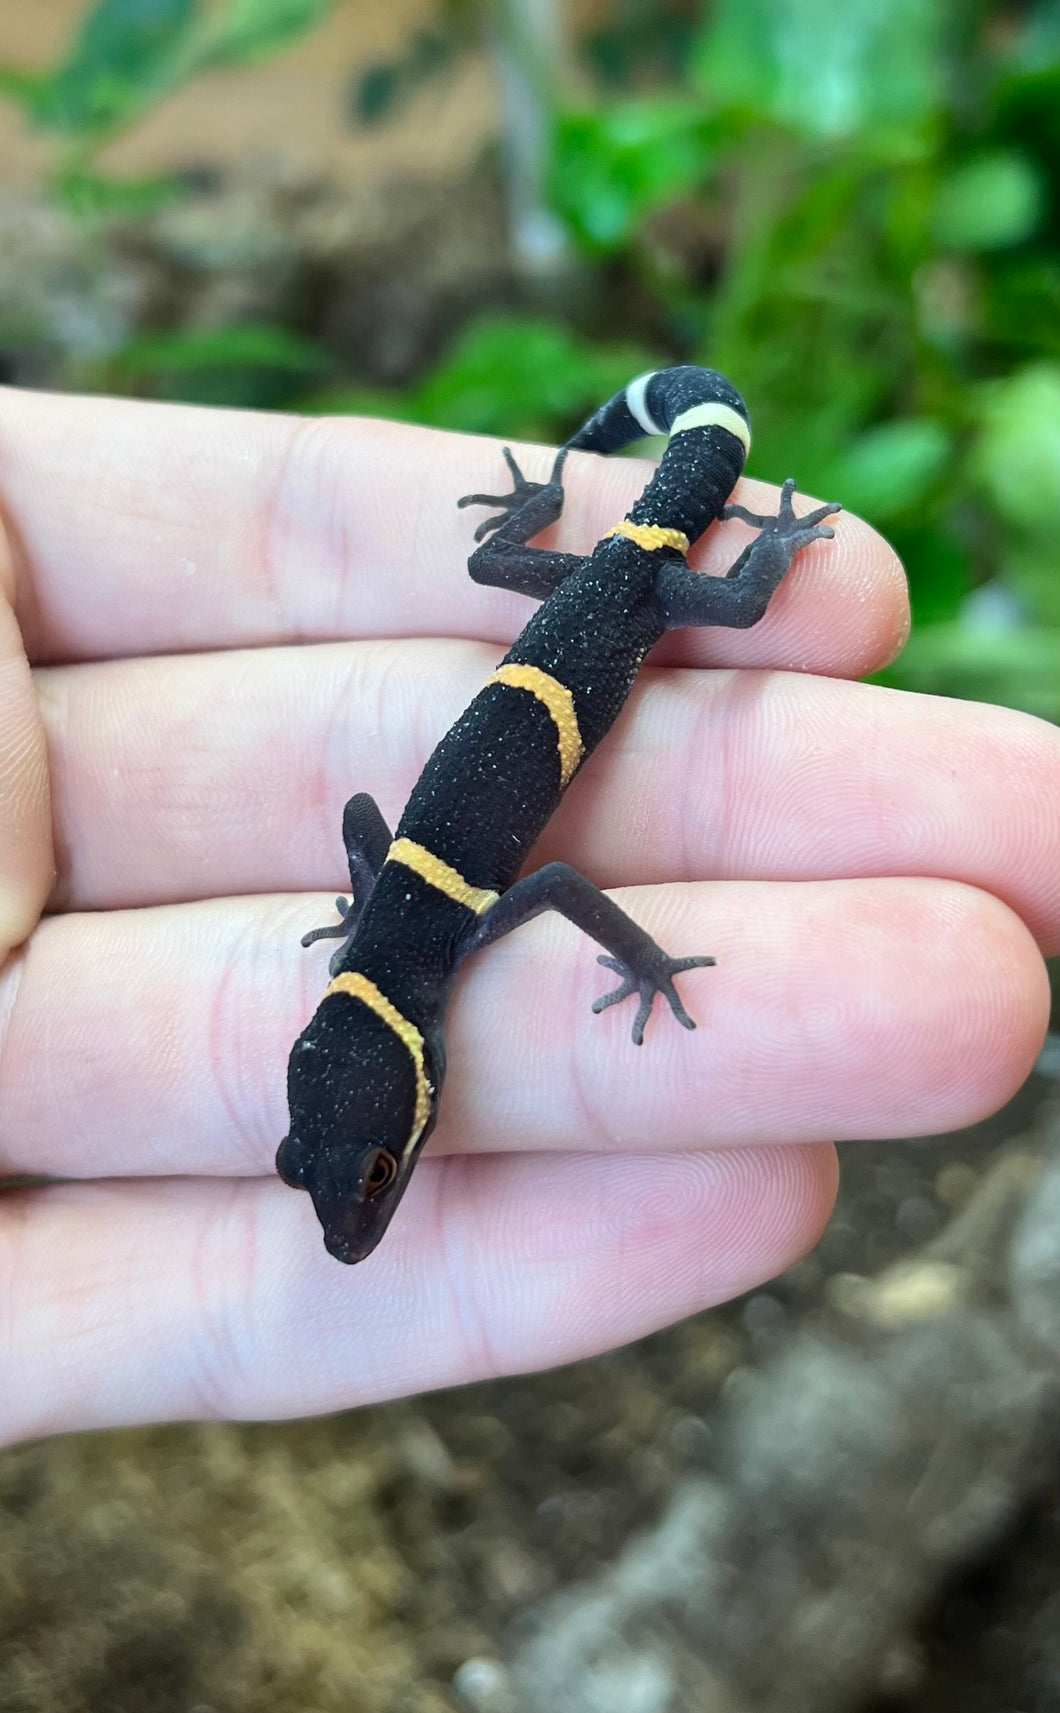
(253, 365)
(517, 378)
(615, 166)
(127, 56)
(854, 211)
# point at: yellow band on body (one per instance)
(560, 704)
(437, 873)
(358, 986)
(652, 536)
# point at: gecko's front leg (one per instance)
(367, 839)
(644, 967)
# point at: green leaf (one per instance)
(1030, 566)
(255, 366)
(131, 53)
(1021, 303)
(530, 379)
(938, 567)
(889, 469)
(1019, 668)
(250, 29)
(533, 380)
(989, 202)
(822, 69)
(260, 345)
(614, 165)
(1017, 455)
(393, 405)
(128, 53)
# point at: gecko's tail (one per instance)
(665, 401)
(710, 437)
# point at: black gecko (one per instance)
(366, 1072)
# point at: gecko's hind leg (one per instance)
(527, 509)
(505, 561)
(740, 598)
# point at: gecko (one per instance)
(366, 1073)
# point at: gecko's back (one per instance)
(365, 1074)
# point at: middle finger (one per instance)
(211, 775)
(150, 1042)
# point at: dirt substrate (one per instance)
(365, 1562)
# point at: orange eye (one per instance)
(381, 1173)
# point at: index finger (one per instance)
(143, 528)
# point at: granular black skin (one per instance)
(491, 786)
(692, 484)
(493, 783)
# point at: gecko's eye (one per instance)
(381, 1173)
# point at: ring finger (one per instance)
(155, 1041)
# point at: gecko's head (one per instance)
(362, 1106)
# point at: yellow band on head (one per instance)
(359, 987)
(651, 536)
(713, 416)
(560, 704)
(437, 873)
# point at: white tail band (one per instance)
(713, 416)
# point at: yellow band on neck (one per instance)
(358, 986)
(652, 536)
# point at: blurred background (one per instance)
(843, 1492)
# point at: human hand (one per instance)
(877, 875)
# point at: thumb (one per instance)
(27, 863)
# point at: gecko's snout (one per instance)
(344, 1248)
(349, 1236)
(338, 1244)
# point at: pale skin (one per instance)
(878, 876)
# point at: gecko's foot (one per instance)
(549, 494)
(653, 976)
(335, 930)
(341, 930)
(794, 532)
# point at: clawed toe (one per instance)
(647, 983)
(617, 993)
(819, 516)
(334, 930)
(518, 478)
(744, 516)
(489, 524)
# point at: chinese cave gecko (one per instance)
(366, 1073)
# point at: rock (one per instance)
(877, 1455)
